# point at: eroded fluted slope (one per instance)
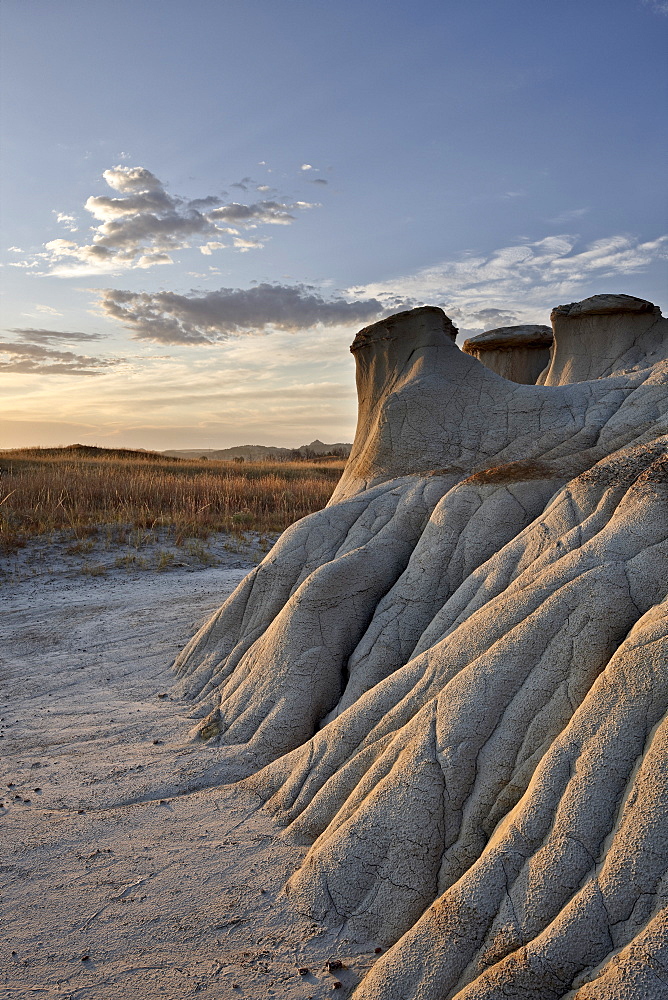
(452, 681)
(576, 870)
(474, 713)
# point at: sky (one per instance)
(204, 200)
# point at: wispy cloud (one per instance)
(567, 216)
(522, 281)
(41, 336)
(142, 225)
(220, 395)
(658, 6)
(49, 310)
(469, 322)
(35, 359)
(169, 318)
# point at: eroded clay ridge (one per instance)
(452, 682)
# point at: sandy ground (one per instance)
(165, 897)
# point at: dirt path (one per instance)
(163, 898)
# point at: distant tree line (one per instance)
(294, 455)
(307, 454)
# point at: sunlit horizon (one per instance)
(192, 238)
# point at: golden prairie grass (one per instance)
(77, 490)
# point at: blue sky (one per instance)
(204, 200)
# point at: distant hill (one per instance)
(87, 451)
(261, 452)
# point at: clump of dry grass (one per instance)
(78, 489)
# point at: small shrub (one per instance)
(165, 560)
(197, 550)
(79, 548)
(94, 570)
(130, 561)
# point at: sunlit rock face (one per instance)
(602, 335)
(452, 682)
(518, 353)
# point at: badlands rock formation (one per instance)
(452, 683)
(519, 353)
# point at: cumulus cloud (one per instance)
(269, 212)
(245, 244)
(142, 225)
(67, 220)
(35, 359)
(131, 179)
(522, 281)
(208, 248)
(307, 167)
(169, 318)
(209, 202)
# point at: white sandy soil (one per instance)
(168, 897)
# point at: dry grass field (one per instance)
(80, 490)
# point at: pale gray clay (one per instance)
(452, 682)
